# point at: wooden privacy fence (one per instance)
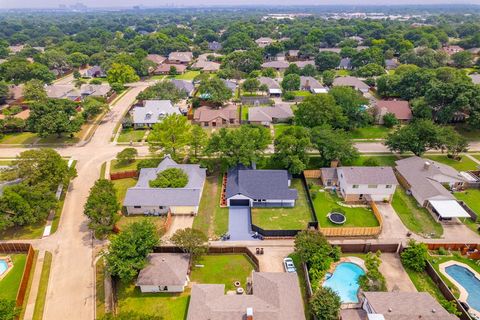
(22, 289)
(14, 247)
(312, 174)
(123, 175)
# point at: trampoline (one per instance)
(337, 217)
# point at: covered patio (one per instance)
(446, 210)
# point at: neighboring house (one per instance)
(450, 50)
(292, 55)
(164, 272)
(24, 115)
(312, 85)
(16, 49)
(156, 58)
(303, 64)
(424, 179)
(400, 108)
(273, 296)
(403, 305)
(277, 65)
(232, 85)
(214, 46)
(152, 111)
(206, 66)
(259, 188)
(142, 199)
(357, 38)
(273, 86)
(474, 51)
(184, 85)
(164, 68)
(352, 82)
(475, 78)
(268, 115)
(95, 90)
(15, 94)
(336, 50)
(345, 64)
(63, 91)
(94, 72)
(359, 184)
(263, 42)
(391, 64)
(215, 118)
(180, 57)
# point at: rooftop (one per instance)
(400, 108)
(169, 269)
(206, 114)
(350, 82)
(153, 110)
(268, 114)
(368, 175)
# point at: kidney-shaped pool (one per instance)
(344, 281)
(468, 281)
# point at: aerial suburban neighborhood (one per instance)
(231, 161)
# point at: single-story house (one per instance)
(268, 115)
(143, 199)
(206, 66)
(259, 188)
(95, 72)
(16, 48)
(184, 85)
(216, 118)
(156, 58)
(397, 305)
(352, 82)
(263, 42)
(164, 68)
(278, 65)
(165, 272)
(359, 184)
(95, 90)
(311, 84)
(63, 91)
(292, 54)
(152, 111)
(400, 108)
(274, 88)
(273, 295)
(232, 85)
(215, 46)
(303, 64)
(345, 64)
(24, 115)
(424, 179)
(391, 64)
(450, 50)
(180, 57)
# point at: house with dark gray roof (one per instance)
(164, 272)
(143, 199)
(151, 112)
(214, 46)
(312, 85)
(278, 65)
(345, 64)
(95, 72)
(273, 86)
(259, 188)
(184, 85)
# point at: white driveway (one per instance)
(393, 227)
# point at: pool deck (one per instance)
(9, 262)
(359, 262)
(463, 293)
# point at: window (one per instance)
(388, 186)
(137, 207)
(372, 186)
(205, 124)
(355, 186)
(232, 121)
(161, 207)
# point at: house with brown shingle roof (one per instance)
(352, 82)
(278, 65)
(206, 66)
(273, 296)
(263, 42)
(156, 58)
(268, 115)
(164, 68)
(400, 108)
(216, 118)
(180, 57)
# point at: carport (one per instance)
(446, 209)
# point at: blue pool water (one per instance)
(3, 266)
(344, 281)
(467, 280)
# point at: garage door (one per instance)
(239, 203)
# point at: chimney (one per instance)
(334, 164)
(426, 165)
(249, 313)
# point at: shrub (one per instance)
(415, 256)
(389, 120)
(170, 178)
(148, 163)
(371, 162)
(325, 304)
(288, 96)
(442, 251)
(117, 87)
(127, 155)
(373, 280)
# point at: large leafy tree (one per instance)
(164, 90)
(333, 145)
(172, 134)
(319, 110)
(244, 61)
(291, 149)
(327, 60)
(129, 249)
(121, 73)
(215, 90)
(102, 207)
(291, 82)
(8, 310)
(414, 257)
(191, 241)
(244, 145)
(325, 304)
(352, 104)
(93, 106)
(170, 178)
(34, 90)
(3, 92)
(198, 141)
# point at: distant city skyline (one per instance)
(36, 4)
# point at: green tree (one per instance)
(309, 71)
(328, 76)
(216, 90)
(127, 155)
(370, 70)
(333, 145)
(292, 69)
(244, 61)
(269, 73)
(373, 280)
(164, 90)
(414, 257)
(129, 249)
(198, 141)
(318, 110)
(463, 59)
(390, 120)
(93, 106)
(244, 145)
(8, 310)
(291, 149)
(102, 207)
(327, 60)
(191, 241)
(77, 59)
(170, 178)
(353, 106)
(34, 90)
(452, 141)
(171, 134)
(4, 92)
(291, 82)
(251, 85)
(121, 73)
(325, 304)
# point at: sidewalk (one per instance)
(32, 297)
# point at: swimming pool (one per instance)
(3, 266)
(468, 281)
(344, 281)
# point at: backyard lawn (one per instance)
(423, 283)
(382, 160)
(280, 127)
(417, 219)
(122, 185)
(211, 218)
(472, 198)
(19, 138)
(10, 283)
(222, 269)
(296, 218)
(326, 202)
(244, 115)
(127, 135)
(372, 132)
(463, 165)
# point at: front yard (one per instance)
(19, 138)
(116, 166)
(10, 283)
(280, 127)
(472, 198)
(127, 135)
(188, 75)
(371, 132)
(325, 202)
(417, 219)
(464, 164)
(121, 185)
(159, 222)
(296, 218)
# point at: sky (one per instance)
(4, 4)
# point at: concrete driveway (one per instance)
(272, 258)
(239, 226)
(178, 222)
(393, 227)
(392, 270)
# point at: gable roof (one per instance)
(269, 82)
(62, 91)
(367, 175)
(310, 83)
(153, 111)
(156, 58)
(206, 65)
(95, 90)
(350, 82)
(275, 296)
(400, 108)
(267, 114)
(277, 64)
(206, 114)
(182, 56)
(184, 85)
(345, 63)
(95, 71)
(230, 84)
(165, 67)
(259, 184)
(169, 269)
(303, 64)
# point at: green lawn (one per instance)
(244, 115)
(463, 165)
(472, 198)
(296, 218)
(342, 73)
(302, 93)
(127, 135)
(469, 134)
(222, 269)
(100, 288)
(326, 202)
(11, 282)
(423, 283)
(122, 185)
(157, 221)
(303, 284)
(211, 218)
(42, 288)
(280, 127)
(33, 231)
(417, 219)
(382, 160)
(189, 75)
(371, 132)
(19, 138)
(116, 166)
(54, 139)
(169, 306)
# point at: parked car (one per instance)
(288, 265)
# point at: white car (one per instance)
(288, 265)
